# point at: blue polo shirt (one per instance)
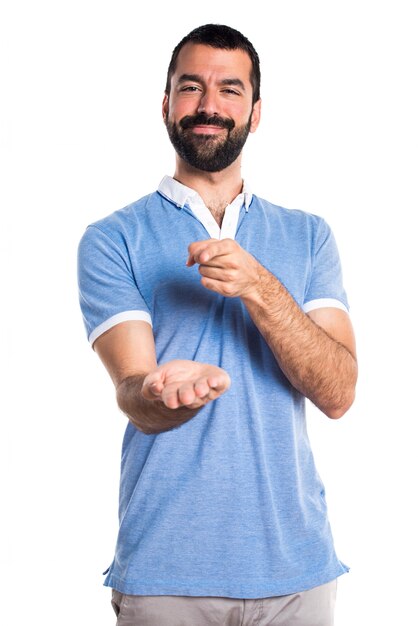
(229, 504)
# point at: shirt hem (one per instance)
(321, 303)
(124, 316)
(241, 590)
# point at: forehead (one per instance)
(207, 61)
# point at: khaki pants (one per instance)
(307, 608)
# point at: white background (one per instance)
(82, 136)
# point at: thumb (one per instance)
(153, 385)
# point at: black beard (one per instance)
(210, 153)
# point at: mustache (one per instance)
(202, 119)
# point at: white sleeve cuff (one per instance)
(321, 303)
(125, 316)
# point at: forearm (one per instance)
(149, 416)
(318, 366)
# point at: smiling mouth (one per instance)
(202, 124)
(207, 130)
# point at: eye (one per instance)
(231, 92)
(190, 88)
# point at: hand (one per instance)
(185, 384)
(225, 267)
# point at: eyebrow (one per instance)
(198, 79)
(233, 81)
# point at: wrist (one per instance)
(255, 295)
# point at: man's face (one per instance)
(209, 112)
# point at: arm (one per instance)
(155, 399)
(316, 351)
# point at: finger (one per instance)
(202, 388)
(195, 394)
(209, 258)
(152, 392)
(169, 396)
(152, 386)
(154, 377)
(195, 249)
(224, 288)
(187, 394)
(218, 273)
(156, 388)
(207, 389)
(219, 383)
(199, 393)
(211, 248)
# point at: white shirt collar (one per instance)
(181, 195)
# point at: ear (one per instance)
(165, 107)
(255, 116)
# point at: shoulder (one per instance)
(123, 224)
(128, 216)
(293, 221)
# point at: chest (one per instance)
(159, 253)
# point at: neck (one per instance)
(217, 189)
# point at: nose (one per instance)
(208, 103)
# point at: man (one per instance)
(216, 313)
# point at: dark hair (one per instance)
(219, 36)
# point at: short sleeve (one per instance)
(325, 288)
(107, 288)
